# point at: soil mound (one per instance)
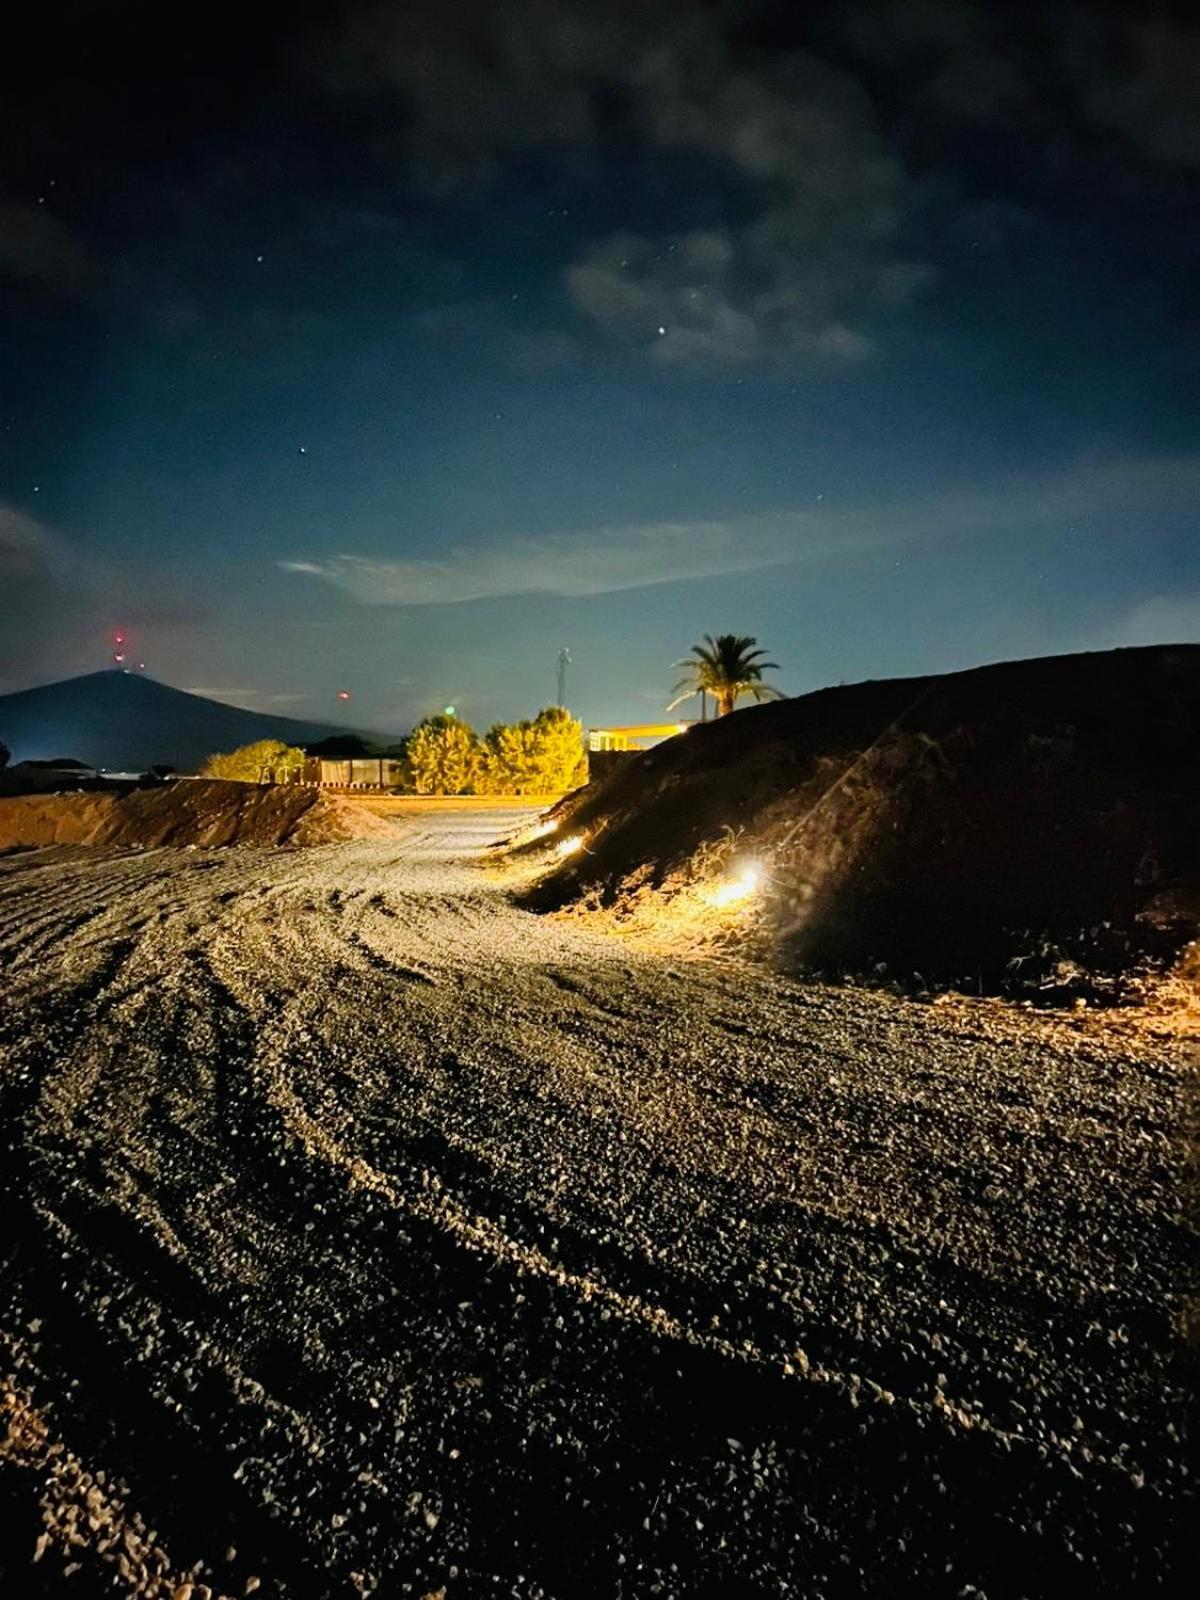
(1002, 824)
(199, 812)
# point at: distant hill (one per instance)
(127, 721)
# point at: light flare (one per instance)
(568, 847)
(744, 881)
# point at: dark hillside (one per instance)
(124, 720)
(946, 822)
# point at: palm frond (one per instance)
(726, 666)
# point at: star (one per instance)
(303, 451)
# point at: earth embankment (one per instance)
(998, 824)
(204, 811)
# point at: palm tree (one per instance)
(726, 667)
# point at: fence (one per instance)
(361, 772)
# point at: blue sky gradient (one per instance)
(351, 376)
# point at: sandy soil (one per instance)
(361, 1233)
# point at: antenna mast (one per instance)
(564, 661)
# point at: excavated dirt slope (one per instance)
(188, 812)
(972, 825)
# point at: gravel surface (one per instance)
(362, 1233)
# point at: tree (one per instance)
(559, 750)
(5, 753)
(544, 756)
(506, 759)
(264, 761)
(443, 756)
(727, 668)
(342, 747)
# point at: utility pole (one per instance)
(564, 661)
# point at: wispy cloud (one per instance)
(1143, 488)
(233, 696)
(248, 699)
(59, 599)
(1171, 617)
(608, 560)
(28, 549)
(601, 561)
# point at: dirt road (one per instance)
(380, 1237)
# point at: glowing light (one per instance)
(741, 883)
(541, 829)
(343, 694)
(449, 712)
(568, 847)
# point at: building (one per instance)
(49, 777)
(609, 747)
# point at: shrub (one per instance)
(265, 761)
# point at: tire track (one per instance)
(431, 1235)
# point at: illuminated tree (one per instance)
(264, 761)
(544, 756)
(443, 756)
(507, 759)
(727, 668)
(559, 743)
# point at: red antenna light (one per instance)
(343, 694)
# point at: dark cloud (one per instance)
(37, 247)
(1138, 75)
(804, 137)
(812, 240)
(805, 142)
(1063, 71)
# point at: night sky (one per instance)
(390, 348)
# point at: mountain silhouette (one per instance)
(126, 721)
